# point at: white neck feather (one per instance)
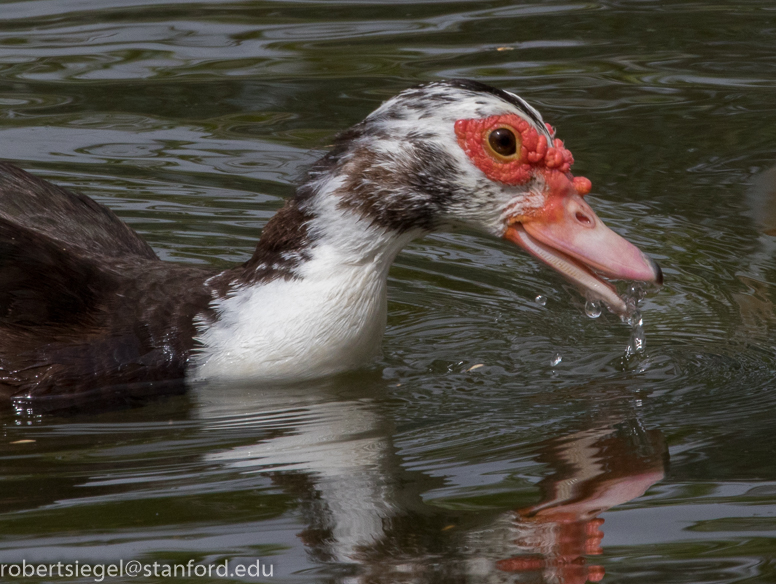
(329, 320)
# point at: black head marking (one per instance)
(478, 87)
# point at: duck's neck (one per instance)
(312, 299)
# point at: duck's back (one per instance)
(84, 301)
(71, 219)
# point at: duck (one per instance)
(85, 302)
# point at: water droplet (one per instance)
(540, 300)
(638, 340)
(593, 308)
(634, 319)
(556, 359)
(636, 291)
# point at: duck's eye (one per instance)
(503, 141)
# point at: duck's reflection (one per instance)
(592, 471)
(362, 507)
(335, 454)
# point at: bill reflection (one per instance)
(592, 471)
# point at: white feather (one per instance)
(330, 319)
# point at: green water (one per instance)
(194, 120)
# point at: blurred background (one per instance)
(502, 437)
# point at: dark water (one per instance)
(193, 120)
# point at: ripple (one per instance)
(194, 120)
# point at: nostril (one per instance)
(583, 219)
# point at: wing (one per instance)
(86, 306)
(44, 283)
(72, 326)
(69, 218)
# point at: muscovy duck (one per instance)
(85, 302)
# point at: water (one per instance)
(593, 308)
(193, 120)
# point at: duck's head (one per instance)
(461, 153)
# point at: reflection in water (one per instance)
(761, 201)
(593, 471)
(339, 452)
(754, 298)
(337, 457)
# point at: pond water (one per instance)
(500, 438)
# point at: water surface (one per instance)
(193, 120)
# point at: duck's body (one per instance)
(85, 302)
